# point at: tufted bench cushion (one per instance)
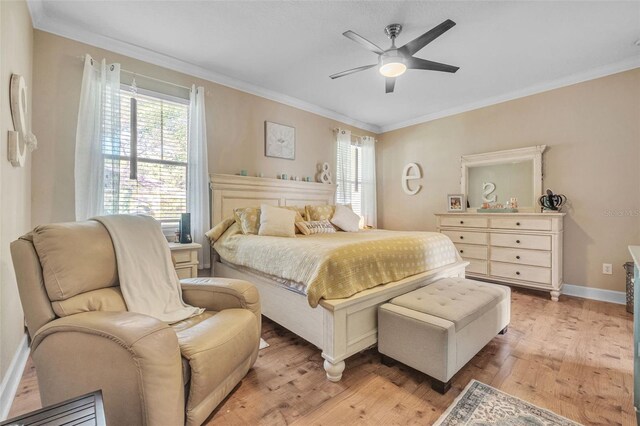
(438, 328)
(458, 300)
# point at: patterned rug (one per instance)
(480, 404)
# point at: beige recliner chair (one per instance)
(83, 337)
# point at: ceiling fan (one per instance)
(395, 61)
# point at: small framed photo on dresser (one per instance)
(456, 203)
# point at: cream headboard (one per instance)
(229, 192)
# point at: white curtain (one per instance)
(344, 167)
(369, 201)
(98, 128)
(198, 175)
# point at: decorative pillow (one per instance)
(216, 232)
(301, 216)
(277, 222)
(345, 219)
(249, 219)
(316, 227)
(316, 213)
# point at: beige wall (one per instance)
(235, 125)
(592, 131)
(16, 51)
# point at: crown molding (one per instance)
(603, 71)
(45, 23)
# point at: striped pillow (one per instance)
(316, 227)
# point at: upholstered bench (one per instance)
(438, 328)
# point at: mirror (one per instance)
(496, 177)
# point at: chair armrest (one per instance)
(217, 294)
(135, 359)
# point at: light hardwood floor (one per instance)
(573, 357)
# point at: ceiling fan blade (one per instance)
(351, 71)
(423, 64)
(363, 42)
(418, 43)
(389, 84)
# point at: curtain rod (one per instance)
(135, 74)
(336, 129)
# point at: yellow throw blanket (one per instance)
(334, 266)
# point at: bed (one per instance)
(339, 327)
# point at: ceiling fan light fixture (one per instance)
(392, 67)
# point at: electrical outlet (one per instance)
(607, 269)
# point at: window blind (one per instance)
(350, 163)
(160, 189)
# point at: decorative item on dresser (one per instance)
(186, 259)
(523, 249)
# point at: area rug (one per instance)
(263, 344)
(480, 404)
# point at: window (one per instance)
(159, 188)
(350, 163)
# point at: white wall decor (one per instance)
(411, 172)
(21, 138)
(324, 174)
(280, 141)
(487, 189)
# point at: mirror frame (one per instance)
(533, 153)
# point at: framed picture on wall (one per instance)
(279, 141)
(456, 203)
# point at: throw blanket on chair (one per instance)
(148, 281)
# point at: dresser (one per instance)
(522, 249)
(185, 257)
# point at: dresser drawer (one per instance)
(534, 224)
(522, 257)
(467, 237)
(471, 251)
(476, 266)
(536, 242)
(521, 272)
(465, 222)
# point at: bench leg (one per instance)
(504, 330)
(387, 361)
(440, 387)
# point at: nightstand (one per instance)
(186, 258)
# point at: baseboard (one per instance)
(611, 296)
(11, 380)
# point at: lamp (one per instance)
(392, 66)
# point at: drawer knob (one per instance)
(517, 272)
(461, 237)
(517, 223)
(517, 257)
(461, 251)
(518, 241)
(461, 222)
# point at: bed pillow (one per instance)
(249, 219)
(216, 232)
(316, 213)
(277, 222)
(316, 227)
(345, 219)
(301, 214)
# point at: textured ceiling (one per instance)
(502, 48)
